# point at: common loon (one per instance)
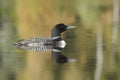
(55, 43)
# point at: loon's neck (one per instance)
(55, 32)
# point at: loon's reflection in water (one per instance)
(55, 44)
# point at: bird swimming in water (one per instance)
(55, 43)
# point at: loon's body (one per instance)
(55, 43)
(40, 44)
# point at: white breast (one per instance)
(61, 44)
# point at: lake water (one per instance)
(18, 64)
(90, 46)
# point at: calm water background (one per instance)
(22, 19)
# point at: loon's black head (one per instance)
(59, 28)
(62, 27)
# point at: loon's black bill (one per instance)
(71, 27)
(71, 60)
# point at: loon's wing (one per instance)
(35, 44)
